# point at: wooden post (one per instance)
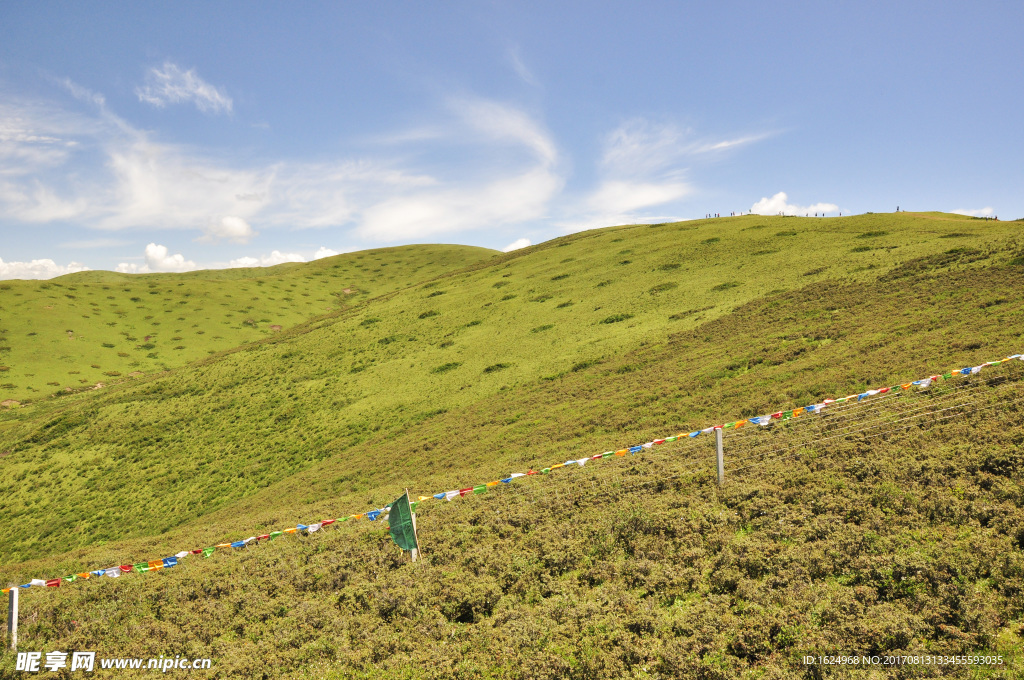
(415, 551)
(721, 456)
(12, 617)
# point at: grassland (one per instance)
(75, 331)
(586, 343)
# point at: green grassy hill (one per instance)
(75, 331)
(637, 566)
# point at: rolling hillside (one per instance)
(75, 331)
(569, 348)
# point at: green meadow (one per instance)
(75, 331)
(467, 365)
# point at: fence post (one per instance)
(12, 616)
(721, 456)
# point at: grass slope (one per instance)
(676, 579)
(72, 332)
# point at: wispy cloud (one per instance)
(515, 58)
(88, 166)
(170, 84)
(984, 212)
(779, 203)
(642, 147)
(643, 168)
(94, 243)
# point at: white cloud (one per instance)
(503, 201)
(780, 203)
(276, 257)
(984, 212)
(100, 172)
(516, 245)
(643, 167)
(323, 251)
(726, 144)
(512, 197)
(158, 259)
(506, 123)
(38, 269)
(640, 147)
(171, 85)
(229, 228)
(617, 196)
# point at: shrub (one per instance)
(615, 318)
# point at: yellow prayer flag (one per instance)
(492, 484)
(622, 452)
(290, 531)
(156, 564)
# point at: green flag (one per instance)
(401, 524)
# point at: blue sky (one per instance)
(166, 137)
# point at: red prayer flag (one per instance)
(263, 537)
(53, 583)
(125, 568)
(326, 522)
(195, 552)
(463, 492)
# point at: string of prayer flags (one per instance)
(764, 421)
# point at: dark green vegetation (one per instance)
(633, 566)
